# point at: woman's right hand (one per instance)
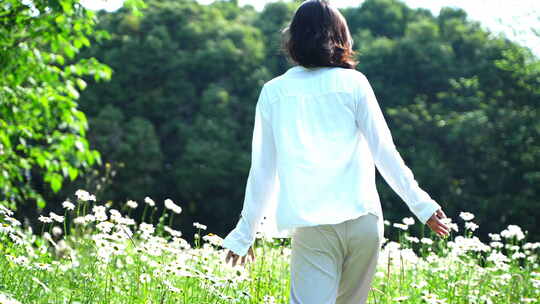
(437, 225)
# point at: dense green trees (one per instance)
(175, 120)
(462, 111)
(188, 74)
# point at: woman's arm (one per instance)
(373, 126)
(262, 180)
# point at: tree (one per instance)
(460, 104)
(43, 133)
(42, 130)
(272, 21)
(193, 74)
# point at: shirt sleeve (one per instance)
(373, 125)
(262, 180)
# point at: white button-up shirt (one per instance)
(317, 137)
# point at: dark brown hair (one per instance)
(318, 36)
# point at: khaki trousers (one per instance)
(335, 263)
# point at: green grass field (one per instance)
(107, 258)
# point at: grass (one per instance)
(106, 257)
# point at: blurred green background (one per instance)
(157, 99)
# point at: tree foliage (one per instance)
(175, 120)
(190, 73)
(42, 130)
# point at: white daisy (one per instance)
(150, 202)
(466, 216)
(132, 204)
(68, 205)
(169, 204)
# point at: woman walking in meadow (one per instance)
(318, 134)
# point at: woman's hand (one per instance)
(234, 257)
(437, 225)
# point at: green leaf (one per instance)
(40, 202)
(77, 43)
(85, 41)
(40, 160)
(96, 156)
(81, 83)
(69, 50)
(56, 182)
(77, 26)
(72, 92)
(67, 6)
(60, 19)
(73, 173)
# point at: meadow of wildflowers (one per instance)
(93, 253)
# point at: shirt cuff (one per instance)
(238, 247)
(426, 212)
(238, 240)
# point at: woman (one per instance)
(318, 134)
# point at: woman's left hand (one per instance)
(235, 257)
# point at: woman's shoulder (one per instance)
(349, 78)
(352, 74)
(274, 81)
